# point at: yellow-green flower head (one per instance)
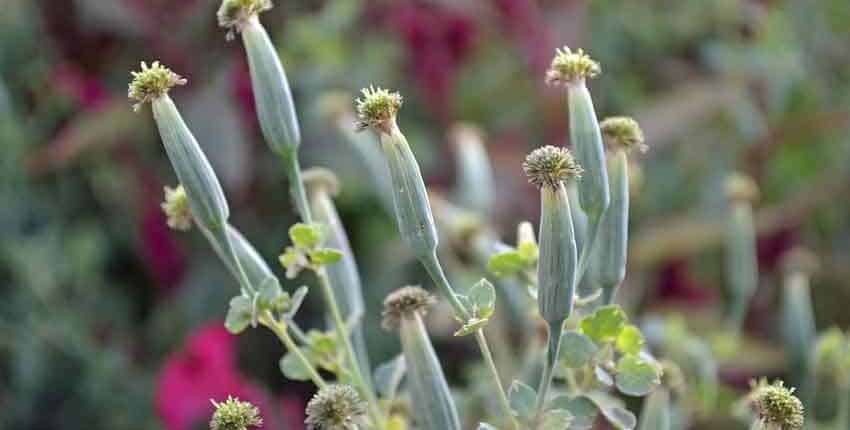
(233, 414)
(777, 406)
(176, 207)
(568, 67)
(152, 82)
(233, 14)
(741, 188)
(622, 132)
(336, 407)
(377, 108)
(551, 165)
(405, 302)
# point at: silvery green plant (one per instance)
(741, 259)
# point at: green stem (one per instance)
(280, 329)
(435, 270)
(348, 348)
(842, 418)
(553, 349)
(296, 185)
(587, 248)
(488, 359)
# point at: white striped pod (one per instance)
(433, 405)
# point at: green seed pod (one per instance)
(433, 405)
(344, 278)
(255, 267)
(272, 96)
(741, 260)
(206, 198)
(548, 167)
(798, 326)
(475, 174)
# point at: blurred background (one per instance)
(108, 319)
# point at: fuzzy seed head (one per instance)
(176, 207)
(336, 407)
(377, 108)
(233, 414)
(233, 14)
(622, 132)
(404, 302)
(568, 67)
(550, 165)
(777, 406)
(741, 188)
(152, 82)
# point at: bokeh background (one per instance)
(109, 320)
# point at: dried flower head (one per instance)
(152, 82)
(377, 108)
(777, 406)
(233, 14)
(176, 207)
(622, 132)
(550, 166)
(741, 188)
(233, 414)
(403, 302)
(569, 66)
(336, 407)
(319, 178)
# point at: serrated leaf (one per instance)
(292, 368)
(630, 340)
(577, 350)
(324, 256)
(522, 398)
(605, 324)
(305, 236)
(388, 376)
(636, 377)
(506, 263)
(583, 411)
(238, 315)
(556, 419)
(482, 295)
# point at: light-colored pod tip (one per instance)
(319, 178)
(623, 132)
(404, 302)
(377, 108)
(569, 66)
(152, 82)
(551, 165)
(176, 208)
(741, 188)
(777, 406)
(233, 414)
(463, 133)
(335, 407)
(233, 14)
(800, 260)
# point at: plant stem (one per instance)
(842, 419)
(296, 185)
(348, 348)
(488, 358)
(553, 348)
(280, 329)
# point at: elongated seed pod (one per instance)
(587, 142)
(344, 277)
(475, 174)
(556, 272)
(741, 260)
(798, 322)
(608, 259)
(255, 267)
(656, 411)
(206, 198)
(272, 96)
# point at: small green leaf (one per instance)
(636, 377)
(388, 376)
(630, 340)
(482, 296)
(576, 350)
(529, 252)
(583, 411)
(324, 256)
(291, 308)
(556, 419)
(293, 261)
(471, 326)
(305, 236)
(506, 263)
(270, 292)
(605, 324)
(292, 368)
(522, 398)
(603, 376)
(238, 315)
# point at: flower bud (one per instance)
(235, 14)
(233, 414)
(206, 198)
(433, 405)
(335, 407)
(176, 208)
